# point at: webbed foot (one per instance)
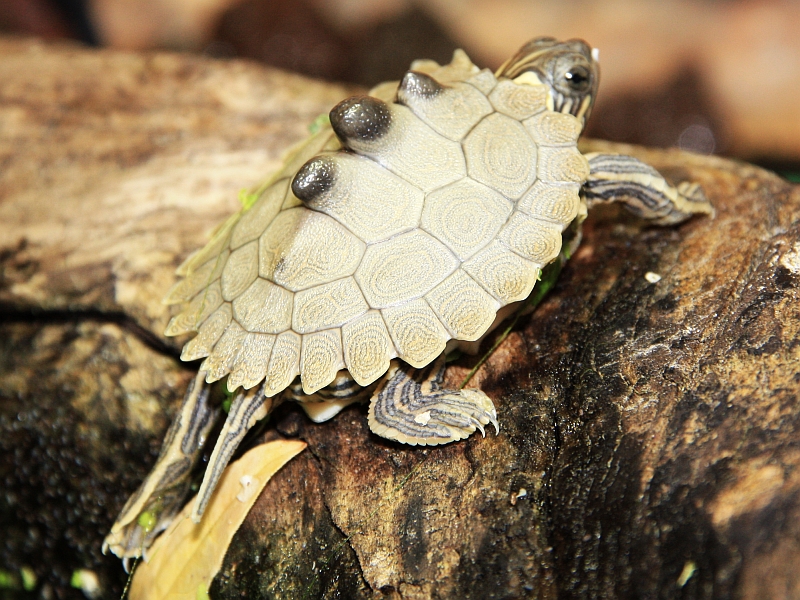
(410, 406)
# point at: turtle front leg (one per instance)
(642, 189)
(410, 406)
(154, 505)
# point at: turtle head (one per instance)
(569, 69)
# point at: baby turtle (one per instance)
(410, 226)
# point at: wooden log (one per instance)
(648, 409)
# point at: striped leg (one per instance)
(162, 494)
(410, 406)
(620, 178)
(247, 408)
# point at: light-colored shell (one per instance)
(420, 236)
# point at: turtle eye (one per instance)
(578, 78)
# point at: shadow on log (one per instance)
(649, 427)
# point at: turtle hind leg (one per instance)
(410, 406)
(643, 191)
(246, 409)
(161, 495)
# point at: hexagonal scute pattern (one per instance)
(465, 216)
(538, 241)
(320, 359)
(403, 268)
(501, 154)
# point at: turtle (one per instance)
(411, 224)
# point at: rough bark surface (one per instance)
(649, 440)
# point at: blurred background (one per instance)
(712, 76)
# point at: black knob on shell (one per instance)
(314, 178)
(361, 118)
(418, 85)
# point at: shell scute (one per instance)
(518, 101)
(368, 348)
(207, 335)
(463, 306)
(538, 241)
(320, 359)
(553, 128)
(197, 311)
(465, 216)
(505, 275)
(451, 112)
(501, 155)
(251, 363)
(253, 222)
(417, 333)
(328, 305)
(556, 202)
(386, 207)
(222, 358)
(302, 248)
(562, 165)
(264, 307)
(284, 363)
(403, 268)
(240, 270)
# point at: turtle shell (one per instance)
(405, 224)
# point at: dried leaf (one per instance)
(187, 556)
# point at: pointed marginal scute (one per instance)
(558, 165)
(450, 111)
(284, 363)
(360, 119)
(188, 287)
(518, 101)
(315, 178)
(463, 306)
(197, 311)
(240, 270)
(327, 305)
(320, 359)
(416, 331)
(505, 275)
(223, 356)
(402, 268)
(538, 241)
(264, 307)
(386, 207)
(501, 154)
(465, 215)
(558, 202)
(251, 363)
(253, 222)
(368, 348)
(208, 334)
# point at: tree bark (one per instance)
(649, 429)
